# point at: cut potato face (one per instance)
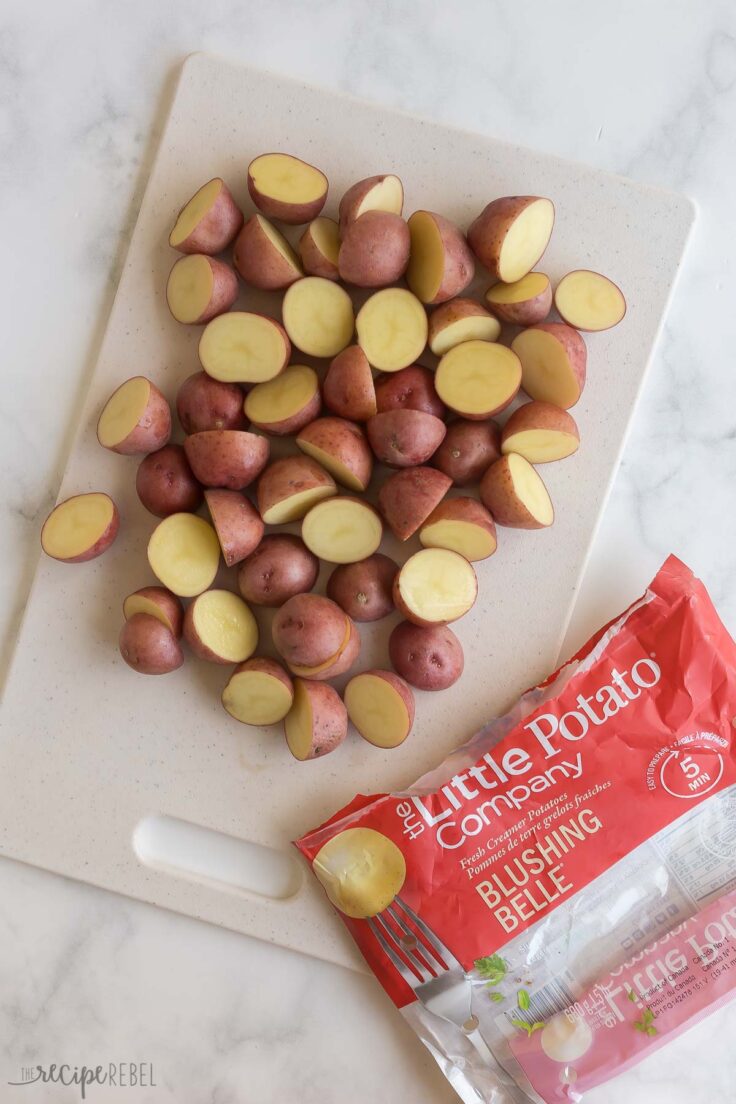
(526, 240)
(361, 870)
(283, 404)
(463, 525)
(208, 222)
(478, 378)
(516, 495)
(589, 301)
(195, 210)
(553, 363)
(319, 247)
(441, 264)
(540, 432)
(199, 288)
(381, 708)
(376, 193)
(318, 316)
(218, 626)
(342, 530)
(81, 528)
(523, 303)
(435, 586)
(458, 321)
(156, 602)
(135, 419)
(317, 722)
(263, 256)
(290, 487)
(258, 693)
(528, 287)
(392, 329)
(184, 554)
(341, 449)
(241, 347)
(286, 187)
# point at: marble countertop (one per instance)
(644, 90)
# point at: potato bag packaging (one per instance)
(558, 898)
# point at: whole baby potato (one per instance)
(280, 567)
(364, 590)
(204, 403)
(165, 483)
(309, 630)
(148, 646)
(428, 658)
(375, 250)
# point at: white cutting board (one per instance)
(89, 749)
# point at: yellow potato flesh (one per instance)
(123, 411)
(282, 397)
(546, 372)
(427, 263)
(189, 289)
(377, 711)
(530, 489)
(298, 724)
(471, 541)
(341, 530)
(540, 446)
(137, 603)
(478, 377)
(526, 240)
(184, 554)
(225, 625)
(589, 301)
(241, 348)
(392, 329)
(278, 240)
(287, 178)
(528, 287)
(296, 505)
(334, 466)
(361, 870)
(194, 212)
(438, 585)
(326, 237)
(256, 698)
(76, 525)
(318, 316)
(385, 195)
(476, 327)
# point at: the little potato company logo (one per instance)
(119, 1075)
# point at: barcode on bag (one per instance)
(543, 1004)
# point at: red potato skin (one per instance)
(228, 458)
(574, 346)
(148, 646)
(409, 613)
(459, 263)
(289, 476)
(343, 440)
(348, 389)
(204, 403)
(405, 438)
(259, 262)
(101, 545)
(295, 422)
(329, 717)
(344, 660)
(537, 415)
(528, 312)
(488, 231)
(165, 483)
(237, 523)
(217, 229)
(410, 388)
(223, 295)
(375, 250)
(408, 497)
(153, 429)
(168, 603)
(467, 450)
(364, 590)
(464, 509)
(292, 213)
(354, 196)
(428, 658)
(278, 569)
(314, 262)
(309, 630)
(497, 495)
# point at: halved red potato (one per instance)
(405, 438)
(284, 405)
(219, 627)
(460, 320)
(478, 378)
(230, 458)
(80, 528)
(381, 706)
(540, 432)
(392, 329)
(280, 567)
(237, 523)
(341, 448)
(523, 303)
(317, 722)
(258, 692)
(289, 488)
(442, 264)
(319, 247)
(148, 646)
(286, 188)
(516, 495)
(411, 388)
(310, 631)
(553, 363)
(364, 589)
(467, 450)
(184, 554)
(375, 193)
(339, 664)
(318, 316)
(206, 403)
(409, 496)
(135, 419)
(263, 256)
(342, 529)
(510, 235)
(199, 288)
(241, 347)
(374, 251)
(435, 586)
(348, 389)
(463, 525)
(430, 658)
(157, 602)
(165, 482)
(589, 301)
(208, 222)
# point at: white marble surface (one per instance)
(644, 89)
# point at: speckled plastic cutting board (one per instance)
(90, 749)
